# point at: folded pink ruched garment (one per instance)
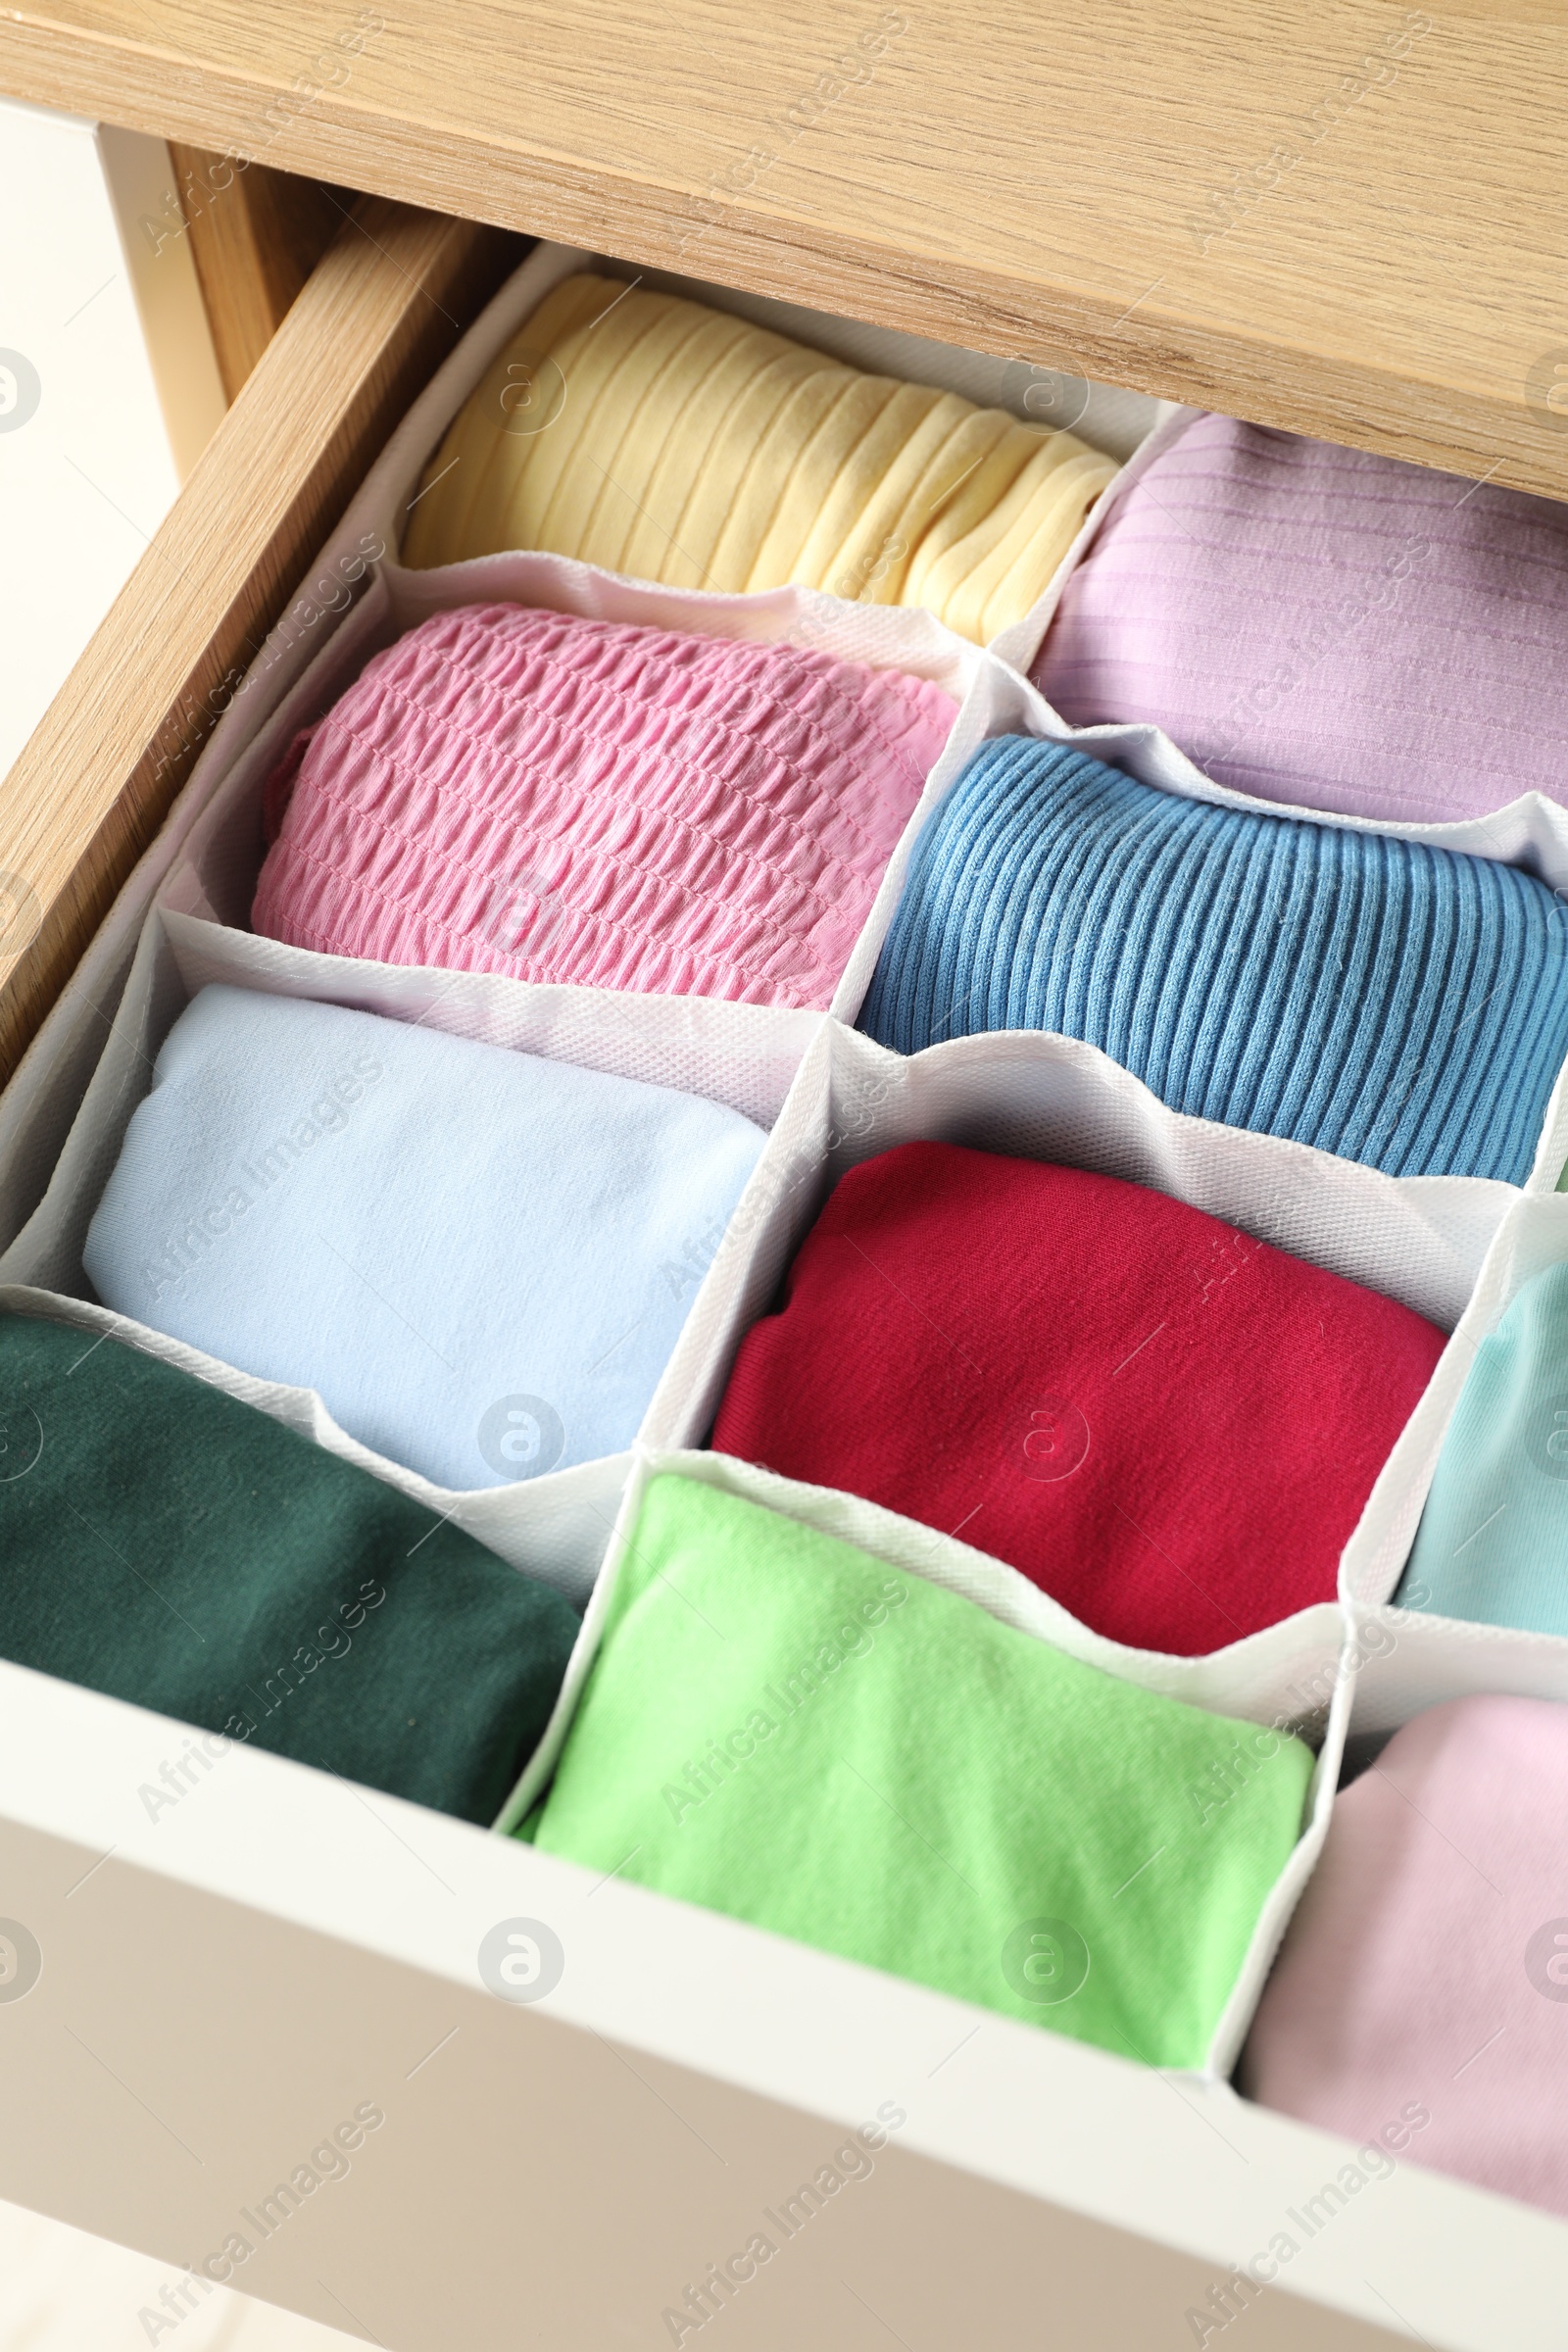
(508, 790)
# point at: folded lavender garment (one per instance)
(1325, 628)
(506, 790)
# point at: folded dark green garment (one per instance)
(165, 1544)
(783, 1727)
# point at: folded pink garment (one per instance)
(506, 790)
(1420, 2001)
(1324, 628)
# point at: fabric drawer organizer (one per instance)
(1343, 1674)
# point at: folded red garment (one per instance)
(1167, 1424)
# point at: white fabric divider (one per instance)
(1531, 832)
(1284, 1676)
(744, 1056)
(1422, 1239)
(1275, 1917)
(1287, 1677)
(555, 1528)
(1411, 1661)
(1018, 645)
(1455, 1248)
(990, 708)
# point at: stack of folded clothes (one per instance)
(1419, 1998)
(1391, 1002)
(174, 1547)
(1493, 1544)
(434, 1234)
(783, 1727)
(655, 436)
(1169, 1426)
(1325, 628)
(510, 790)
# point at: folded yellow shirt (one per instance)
(688, 447)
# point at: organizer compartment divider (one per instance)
(741, 1054)
(1457, 1250)
(555, 1528)
(831, 1096)
(1402, 1661)
(1291, 1677)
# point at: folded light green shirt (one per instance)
(781, 1727)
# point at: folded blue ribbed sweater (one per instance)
(1392, 1003)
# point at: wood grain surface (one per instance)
(255, 237)
(1344, 217)
(94, 781)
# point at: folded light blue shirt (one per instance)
(479, 1259)
(1493, 1544)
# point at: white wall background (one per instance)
(63, 2291)
(86, 478)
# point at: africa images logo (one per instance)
(1546, 1960)
(1055, 1442)
(522, 1960)
(521, 1437)
(21, 1960)
(1546, 390)
(21, 390)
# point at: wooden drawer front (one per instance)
(232, 1972)
(1256, 210)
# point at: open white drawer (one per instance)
(242, 1963)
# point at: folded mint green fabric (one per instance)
(783, 1727)
(170, 1545)
(1493, 1544)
